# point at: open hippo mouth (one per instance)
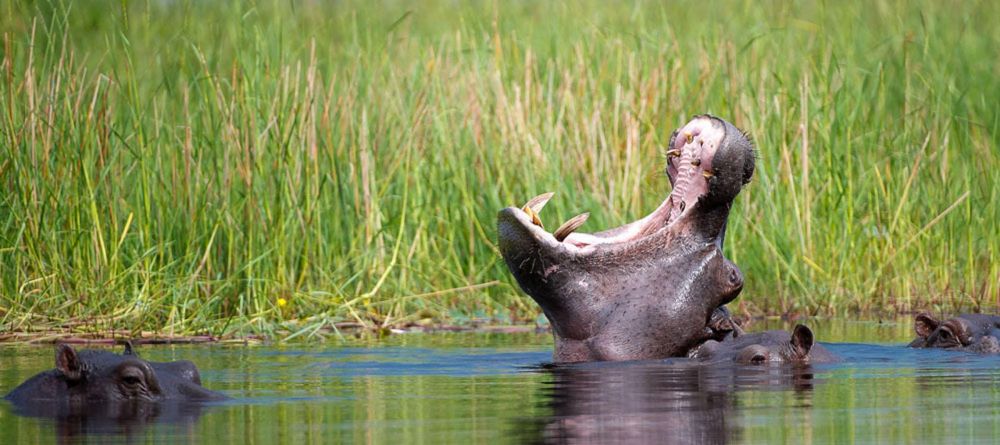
(646, 289)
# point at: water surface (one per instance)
(493, 388)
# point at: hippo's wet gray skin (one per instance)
(765, 347)
(644, 290)
(95, 376)
(977, 333)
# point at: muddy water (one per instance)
(490, 388)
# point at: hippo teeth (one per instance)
(569, 226)
(690, 162)
(535, 205)
(534, 216)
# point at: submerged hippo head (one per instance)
(972, 332)
(646, 289)
(765, 347)
(95, 376)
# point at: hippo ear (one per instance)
(802, 340)
(68, 363)
(924, 324)
(128, 348)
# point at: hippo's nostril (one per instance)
(734, 277)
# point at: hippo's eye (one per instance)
(131, 376)
(758, 359)
(131, 380)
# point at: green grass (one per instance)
(183, 166)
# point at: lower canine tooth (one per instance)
(569, 226)
(534, 216)
(707, 173)
(688, 136)
(537, 203)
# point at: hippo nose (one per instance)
(735, 279)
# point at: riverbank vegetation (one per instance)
(288, 168)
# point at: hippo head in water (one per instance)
(647, 289)
(970, 332)
(765, 347)
(86, 377)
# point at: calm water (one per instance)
(490, 388)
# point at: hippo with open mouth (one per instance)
(648, 289)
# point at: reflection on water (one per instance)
(654, 402)
(493, 388)
(112, 420)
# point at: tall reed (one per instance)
(279, 167)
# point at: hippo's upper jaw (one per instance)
(645, 289)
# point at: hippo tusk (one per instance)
(534, 206)
(534, 216)
(537, 203)
(569, 226)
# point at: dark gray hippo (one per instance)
(765, 347)
(95, 376)
(647, 289)
(977, 333)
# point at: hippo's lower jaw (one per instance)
(646, 289)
